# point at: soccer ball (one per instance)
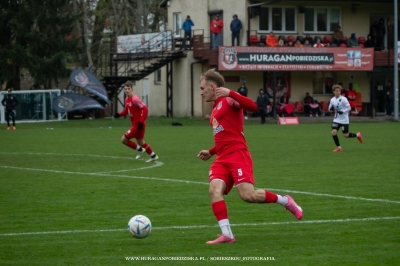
(139, 226)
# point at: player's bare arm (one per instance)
(204, 155)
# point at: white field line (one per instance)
(195, 182)
(156, 164)
(208, 226)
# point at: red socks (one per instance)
(270, 197)
(147, 148)
(220, 210)
(131, 144)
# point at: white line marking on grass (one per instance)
(208, 226)
(156, 164)
(70, 154)
(196, 182)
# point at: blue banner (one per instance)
(86, 80)
(74, 101)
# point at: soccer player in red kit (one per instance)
(233, 164)
(137, 111)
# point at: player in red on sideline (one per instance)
(137, 111)
(233, 164)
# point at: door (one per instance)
(379, 83)
(177, 25)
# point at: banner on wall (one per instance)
(295, 59)
(149, 42)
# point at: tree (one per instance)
(33, 36)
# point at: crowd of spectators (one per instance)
(337, 39)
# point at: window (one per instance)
(177, 24)
(321, 20)
(277, 19)
(157, 76)
(323, 82)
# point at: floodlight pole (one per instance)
(396, 65)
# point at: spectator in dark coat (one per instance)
(10, 102)
(262, 102)
(369, 42)
(236, 26)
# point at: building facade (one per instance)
(284, 18)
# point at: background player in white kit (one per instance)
(341, 119)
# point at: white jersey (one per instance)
(340, 104)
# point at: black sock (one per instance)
(352, 135)
(336, 139)
(140, 149)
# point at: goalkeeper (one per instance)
(341, 119)
(137, 111)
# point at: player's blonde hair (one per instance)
(213, 76)
(334, 87)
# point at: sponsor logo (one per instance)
(219, 105)
(82, 79)
(229, 58)
(216, 127)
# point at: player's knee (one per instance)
(213, 192)
(124, 140)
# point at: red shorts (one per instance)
(133, 132)
(234, 168)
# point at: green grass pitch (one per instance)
(67, 193)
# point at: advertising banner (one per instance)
(86, 80)
(74, 101)
(148, 42)
(295, 59)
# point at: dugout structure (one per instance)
(33, 106)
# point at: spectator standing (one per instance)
(352, 41)
(216, 28)
(369, 42)
(10, 102)
(389, 98)
(337, 36)
(187, 28)
(380, 30)
(306, 102)
(236, 26)
(272, 41)
(243, 91)
(262, 103)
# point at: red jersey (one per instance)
(136, 109)
(227, 122)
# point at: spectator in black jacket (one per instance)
(236, 26)
(243, 91)
(262, 102)
(10, 102)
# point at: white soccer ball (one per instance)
(139, 226)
